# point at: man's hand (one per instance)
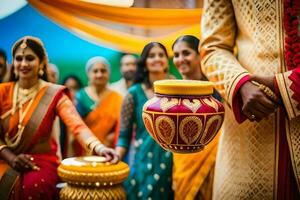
(256, 104)
(266, 80)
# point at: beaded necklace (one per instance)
(20, 98)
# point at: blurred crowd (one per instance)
(113, 113)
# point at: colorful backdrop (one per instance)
(74, 32)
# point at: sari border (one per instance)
(285, 96)
(234, 83)
(37, 117)
(97, 104)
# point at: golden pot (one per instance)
(91, 178)
(183, 116)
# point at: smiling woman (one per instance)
(192, 173)
(150, 176)
(99, 106)
(28, 107)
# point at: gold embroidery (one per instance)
(166, 104)
(267, 91)
(165, 128)
(284, 91)
(193, 106)
(245, 149)
(205, 139)
(190, 128)
(148, 124)
(293, 138)
(212, 103)
(290, 92)
(92, 178)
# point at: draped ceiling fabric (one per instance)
(124, 29)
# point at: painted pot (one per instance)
(183, 116)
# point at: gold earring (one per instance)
(41, 72)
(16, 73)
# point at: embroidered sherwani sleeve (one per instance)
(217, 45)
(289, 88)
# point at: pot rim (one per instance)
(183, 87)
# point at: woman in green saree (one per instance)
(151, 171)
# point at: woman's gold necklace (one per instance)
(20, 98)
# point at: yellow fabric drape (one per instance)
(81, 18)
(131, 16)
(191, 171)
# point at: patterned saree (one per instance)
(35, 141)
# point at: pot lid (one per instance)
(183, 87)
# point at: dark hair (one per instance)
(38, 49)
(191, 41)
(74, 77)
(127, 54)
(3, 54)
(142, 74)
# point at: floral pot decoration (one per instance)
(183, 116)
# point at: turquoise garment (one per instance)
(84, 103)
(151, 171)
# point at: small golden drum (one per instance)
(92, 178)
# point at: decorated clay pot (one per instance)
(183, 116)
(91, 178)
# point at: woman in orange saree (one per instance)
(192, 173)
(28, 106)
(99, 106)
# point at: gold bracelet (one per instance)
(90, 140)
(98, 147)
(94, 144)
(2, 147)
(267, 91)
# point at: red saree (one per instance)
(36, 141)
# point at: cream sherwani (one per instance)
(248, 154)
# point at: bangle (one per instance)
(2, 147)
(267, 91)
(94, 144)
(90, 140)
(99, 147)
